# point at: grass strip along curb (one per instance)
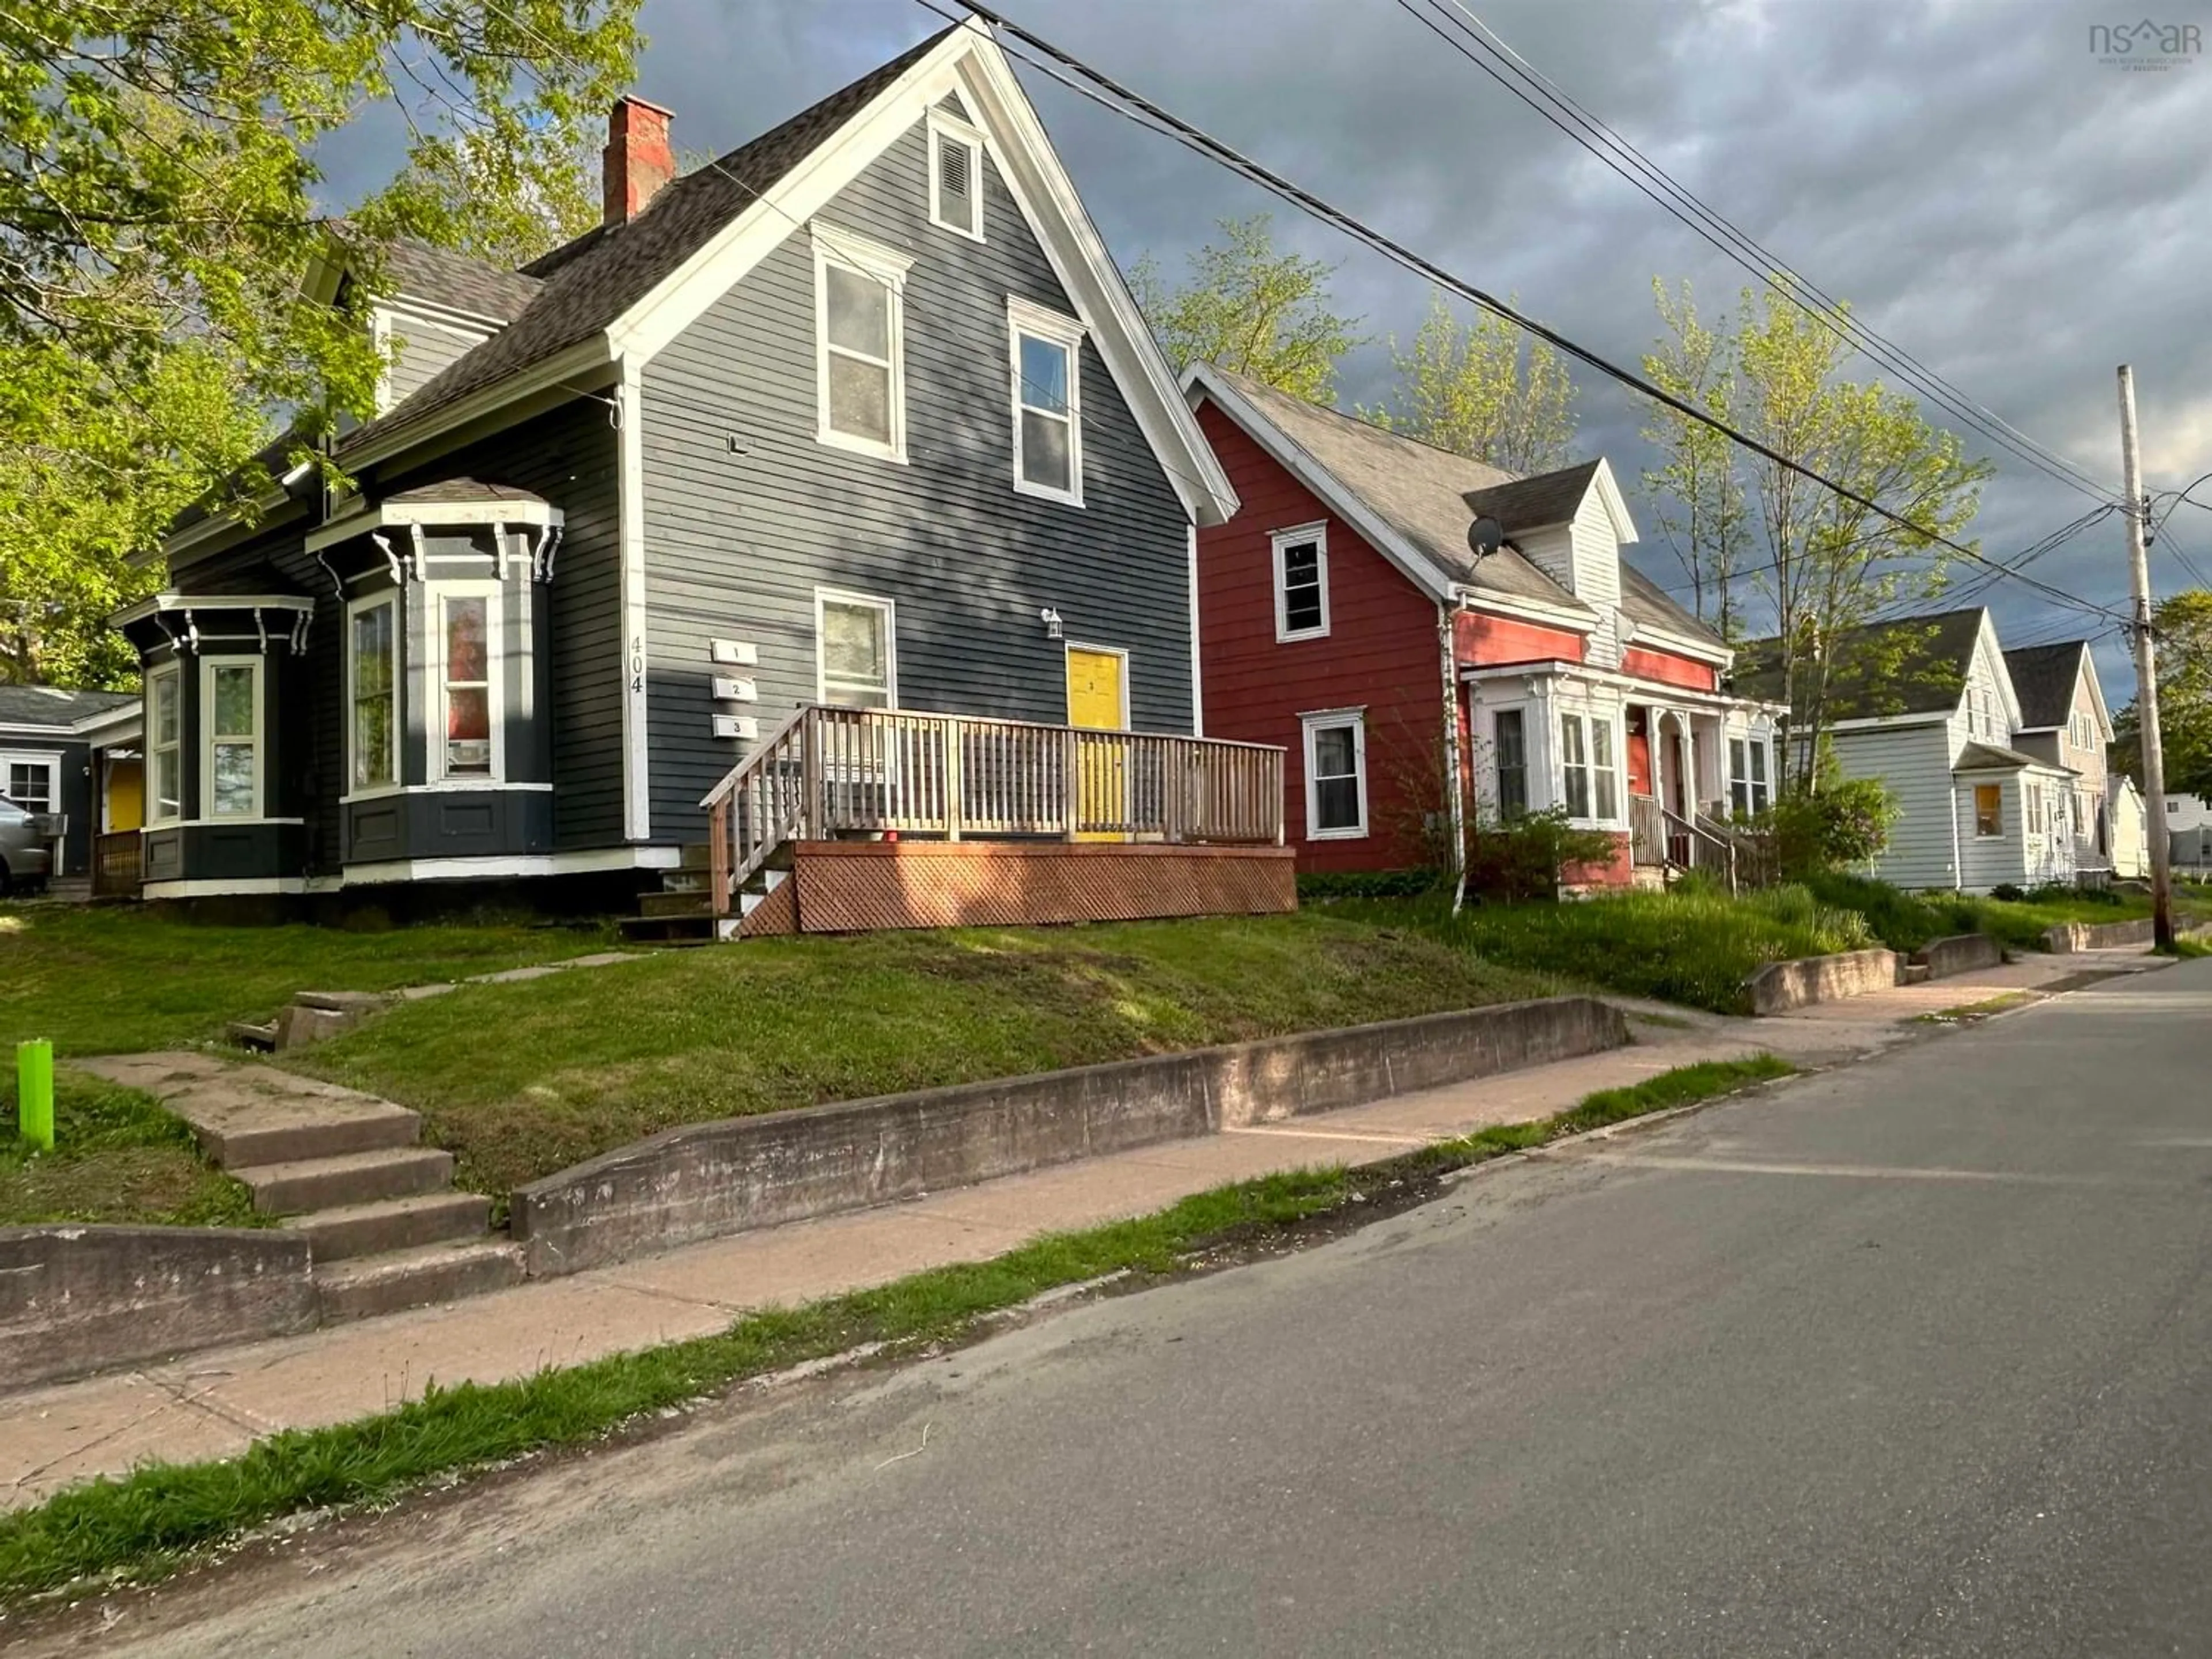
(150, 1522)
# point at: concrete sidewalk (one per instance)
(215, 1403)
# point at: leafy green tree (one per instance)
(1253, 309)
(2182, 624)
(1482, 389)
(1697, 487)
(161, 201)
(1823, 566)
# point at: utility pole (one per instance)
(2153, 752)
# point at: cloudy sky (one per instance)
(2017, 213)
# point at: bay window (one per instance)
(1589, 775)
(1749, 793)
(1047, 353)
(230, 714)
(164, 736)
(467, 690)
(374, 681)
(1511, 736)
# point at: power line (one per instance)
(1101, 89)
(1654, 182)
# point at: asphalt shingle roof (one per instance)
(1913, 666)
(447, 278)
(589, 284)
(467, 490)
(1642, 601)
(1535, 501)
(1421, 492)
(2044, 676)
(1991, 757)
(47, 705)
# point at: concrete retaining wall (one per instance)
(76, 1299)
(715, 1178)
(2071, 936)
(1780, 987)
(1962, 953)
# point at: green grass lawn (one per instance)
(117, 1156)
(1686, 946)
(520, 1080)
(1905, 921)
(102, 980)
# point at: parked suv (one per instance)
(25, 859)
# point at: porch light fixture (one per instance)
(1053, 627)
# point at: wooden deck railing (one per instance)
(115, 864)
(830, 771)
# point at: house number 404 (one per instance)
(637, 664)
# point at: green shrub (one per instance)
(1319, 886)
(1845, 824)
(1529, 857)
(2005, 893)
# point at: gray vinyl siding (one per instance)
(1992, 861)
(422, 350)
(1915, 762)
(570, 455)
(736, 542)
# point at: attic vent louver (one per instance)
(954, 201)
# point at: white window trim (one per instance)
(208, 814)
(1763, 743)
(947, 129)
(1068, 648)
(396, 599)
(827, 596)
(1025, 318)
(1974, 810)
(173, 673)
(433, 634)
(45, 761)
(1281, 541)
(1329, 719)
(889, 267)
(1617, 749)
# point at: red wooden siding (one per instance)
(1381, 650)
(1485, 640)
(1667, 669)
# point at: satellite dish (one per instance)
(1484, 536)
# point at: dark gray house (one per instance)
(71, 757)
(860, 415)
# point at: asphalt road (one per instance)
(1910, 1358)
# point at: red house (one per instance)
(1418, 688)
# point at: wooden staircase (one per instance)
(683, 911)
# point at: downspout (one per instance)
(1456, 791)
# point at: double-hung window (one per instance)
(467, 684)
(1048, 407)
(955, 176)
(164, 737)
(1508, 728)
(1302, 582)
(861, 379)
(1749, 793)
(1590, 777)
(374, 666)
(857, 663)
(1336, 775)
(1988, 809)
(30, 784)
(230, 715)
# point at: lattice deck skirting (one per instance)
(855, 887)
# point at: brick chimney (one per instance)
(638, 159)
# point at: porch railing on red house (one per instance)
(830, 771)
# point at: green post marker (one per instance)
(34, 1092)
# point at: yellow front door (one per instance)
(1094, 702)
(126, 795)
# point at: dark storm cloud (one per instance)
(2018, 216)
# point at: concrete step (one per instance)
(698, 855)
(368, 1125)
(373, 1285)
(330, 1183)
(1916, 973)
(393, 1224)
(685, 881)
(247, 1034)
(673, 905)
(695, 929)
